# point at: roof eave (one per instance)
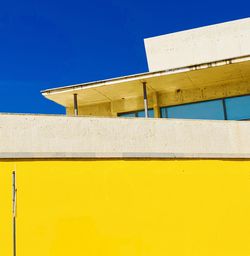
(146, 75)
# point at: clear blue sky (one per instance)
(54, 43)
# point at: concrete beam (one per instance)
(31, 136)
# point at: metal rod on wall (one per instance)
(145, 98)
(14, 190)
(75, 105)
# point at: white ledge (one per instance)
(41, 136)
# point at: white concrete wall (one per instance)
(201, 45)
(25, 136)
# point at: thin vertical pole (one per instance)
(75, 105)
(14, 210)
(145, 98)
(224, 108)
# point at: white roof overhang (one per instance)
(236, 70)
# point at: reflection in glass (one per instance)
(212, 110)
(238, 108)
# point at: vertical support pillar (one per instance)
(145, 98)
(75, 105)
(156, 108)
(14, 190)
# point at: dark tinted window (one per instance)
(212, 110)
(127, 115)
(142, 113)
(238, 108)
(138, 114)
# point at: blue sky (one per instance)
(54, 43)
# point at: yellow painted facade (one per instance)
(127, 207)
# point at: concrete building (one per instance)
(94, 182)
(197, 65)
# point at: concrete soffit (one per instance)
(229, 71)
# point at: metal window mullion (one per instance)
(224, 109)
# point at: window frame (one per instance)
(196, 102)
(133, 112)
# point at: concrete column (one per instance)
(156, 106)
(112, 109)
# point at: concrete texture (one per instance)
(31, 136)
(201, 45)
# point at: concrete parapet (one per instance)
(38, 136)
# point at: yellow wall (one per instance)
(101, 109)
(127, 207)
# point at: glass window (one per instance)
(212, 110)
(127, 115)
(142, 113)
(164, 112)
(138, 114)
(238, 108)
